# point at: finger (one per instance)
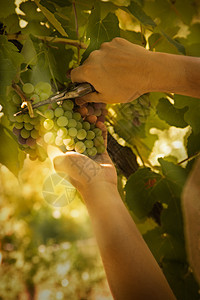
(92, 97)
(79, 74)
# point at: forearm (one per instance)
(131, 270)
(175, 74)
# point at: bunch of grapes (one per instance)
(67, 125)
(136, 111)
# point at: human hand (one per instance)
(86, 174)
(119, 71)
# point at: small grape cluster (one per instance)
(136, 111)
(67, 124)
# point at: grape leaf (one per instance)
(136, 10)
(59, 68)
(143, 189)
(193, 144)
(29, 9)
(133, 37)
(10, 154)
(7, 8)
(179, 47)
(192, 114)
(29, 52)
(100, 30)
(173, 116)
(51, 18)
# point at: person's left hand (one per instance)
(84, 173)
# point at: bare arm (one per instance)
(121, 71)
(131, 269)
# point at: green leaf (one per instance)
(173, 116)
(29, 52)
(181, 280)
(143, 189)
(100, 30)
(133, 37)
(29, 9)
(193, 144)
(11, 23)
(7, 8)
(10, 154)
(179, 47)
(10, 61)
(175, 174)
(192, 114)
(51, 18)
(136, 10)
(58, 68)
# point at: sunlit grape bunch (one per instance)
(66, 125)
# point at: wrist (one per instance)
(167, 73)
(98, 190)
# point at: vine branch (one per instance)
(49, 39)
(24, 99)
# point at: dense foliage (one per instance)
(42, 40)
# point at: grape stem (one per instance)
(49, 39)
(27, 102)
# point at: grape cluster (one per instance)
(136, 111)
(73, 127)
(67, 124)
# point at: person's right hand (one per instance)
(119, 72)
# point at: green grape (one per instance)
(30, 151)
(43, 87)
(34, 134)
(58, 112)
(54, 105)
(16, 99)
(68, 141)
(62, 132)
(28, 88)
(37, 126)
(35, 98)
(98, 141)
(19, 118)
(35, 121)
(68, 105)
(49, 114)
(90, 135)
(68, 114)
(44, 96)
(26, 118)
(86, 126)
(49, 138)
(76, 116)
(72, 132)
(92, 151)
(92, 126)
(101, 149)
(25, 133)
(97, 131)
(70, 148)
(62, 121)
(79, 125)
(72, 123)
(80, 147)
(41, 153)
(89, 143)
(28, 126)
(81, 134)
(59, 141)
(19, 125)
(48, 124)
